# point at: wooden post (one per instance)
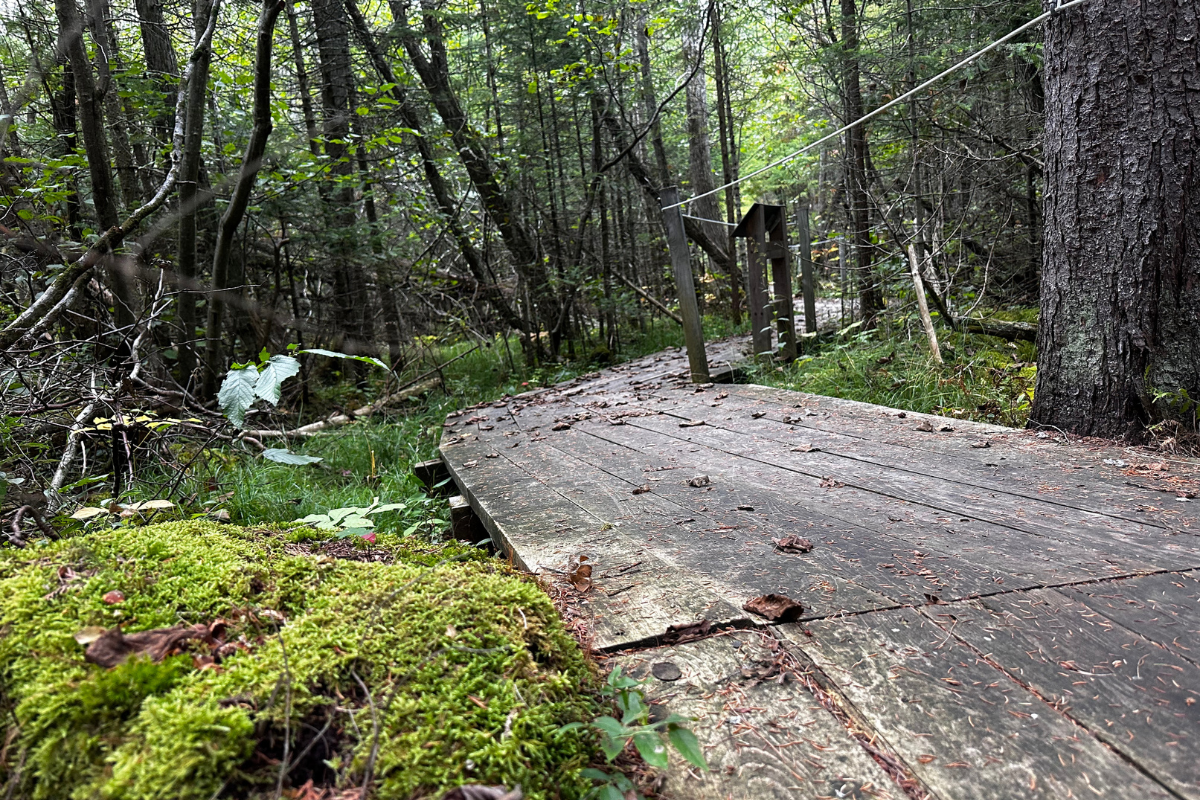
(760, 326)
(806, 269)
(681, 265)
(781, 275)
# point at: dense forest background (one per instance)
(490, 168)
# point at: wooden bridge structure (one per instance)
(854, 601)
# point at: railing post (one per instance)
(806, 269)
(681, 265)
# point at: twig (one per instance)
(287, 719)
(370, 768)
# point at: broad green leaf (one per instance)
(609, 792)
(273, 374)
(314, 519)
(355, 521)
(388, 507)
(592, 774)
(237, 394)
(652, 748)
(282, 455)
(688, 746)
(316, 351)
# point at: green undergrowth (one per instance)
(983, 379)
(465, 668)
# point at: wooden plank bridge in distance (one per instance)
(983, 613)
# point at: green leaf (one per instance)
(316, 351)
(609, 792)
(688, 746)
(273, 374)
(282, 455)
(388, 507)
(651, 748)
(237, 394)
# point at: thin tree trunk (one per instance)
(95, 144)
(189, 195)
(437, 184)
(870, 298)
(161, 64)
(236, 210)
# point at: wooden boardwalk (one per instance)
(984, 612)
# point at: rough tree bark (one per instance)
(236, 210)
(1119, 339)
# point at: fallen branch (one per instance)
(648, 298)
(338, 420)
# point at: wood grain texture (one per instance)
(763, 734)
(1139, 698)
(964, 727)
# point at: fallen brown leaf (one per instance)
(562, 426)
(645, 487)
(699, 481)
(924, 425)
(113, 597)
(775, 607)
(830, 483)
(691, 423)
(793, 544)
(114, 647)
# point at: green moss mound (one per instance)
(463, 669)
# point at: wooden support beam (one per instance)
(760, 333)
(807, 284)
(781, 275)
(681, 265)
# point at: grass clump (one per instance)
(984, 378)
(463, 668)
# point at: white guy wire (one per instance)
(1036, 21)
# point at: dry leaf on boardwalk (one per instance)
(793, 544)
(699, 481)
(691, 423)
(775, 607)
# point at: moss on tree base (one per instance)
(467, 670)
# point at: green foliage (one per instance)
(650, 739)
(984, 378)
(464, 687)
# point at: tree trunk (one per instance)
(870, 299)
(433, 176)
(236, 210)
(161, 63)
(485, 174)
(189, 195)
(95, 145)
(333, 52)
(1119, 338)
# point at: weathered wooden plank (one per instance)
(734, 556)
(541, 531)
(1134, 695)
(961, 725)
(997, 461)
(1130, 546)
(1004, 559)
(1024, 449)
(1164, 608)
(763, 734)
